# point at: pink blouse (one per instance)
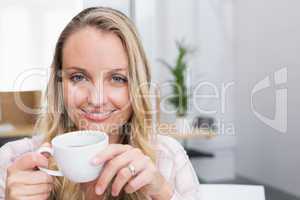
(172, 162)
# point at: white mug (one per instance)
(73, 153)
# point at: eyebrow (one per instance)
(85, 71)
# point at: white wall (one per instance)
(268, 39)
(205, 25)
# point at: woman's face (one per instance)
(95, 80)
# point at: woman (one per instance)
(97, 82)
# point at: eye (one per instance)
(119, 78)
(77, 77)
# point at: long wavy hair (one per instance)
(55, 120)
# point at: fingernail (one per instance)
(96, 161)
(99, 190)
(114, 194)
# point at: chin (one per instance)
(103, 127)
(108, 125)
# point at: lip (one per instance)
(96, 117)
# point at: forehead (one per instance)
(94, 50)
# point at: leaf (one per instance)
(166, 64)
(180, 94)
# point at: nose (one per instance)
(98, 95)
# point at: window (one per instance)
(28, 32)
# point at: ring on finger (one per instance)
(132, 169)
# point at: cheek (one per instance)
(73, 96)
(120, 98)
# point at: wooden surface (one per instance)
(20, 131)
(14, 107)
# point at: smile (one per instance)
(97, 116)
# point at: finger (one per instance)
(124, 175)
(44, 196)
(141, 180)
(46, 144)
(31, 190)
(110, 152)
(29, 177)
(28, 161)
(113, 166)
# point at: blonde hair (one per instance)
(55, 119)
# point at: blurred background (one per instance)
(241, 79)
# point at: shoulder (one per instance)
(11, 150)
(170, 156)
(167, 146)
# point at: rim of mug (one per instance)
(58, 137)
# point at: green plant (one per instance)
(180, 96)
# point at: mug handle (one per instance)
(48, 171)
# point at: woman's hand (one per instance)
(117, 158)
(26, 183)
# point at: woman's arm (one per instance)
(9, 152)
(178, 169)
(186, 180)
